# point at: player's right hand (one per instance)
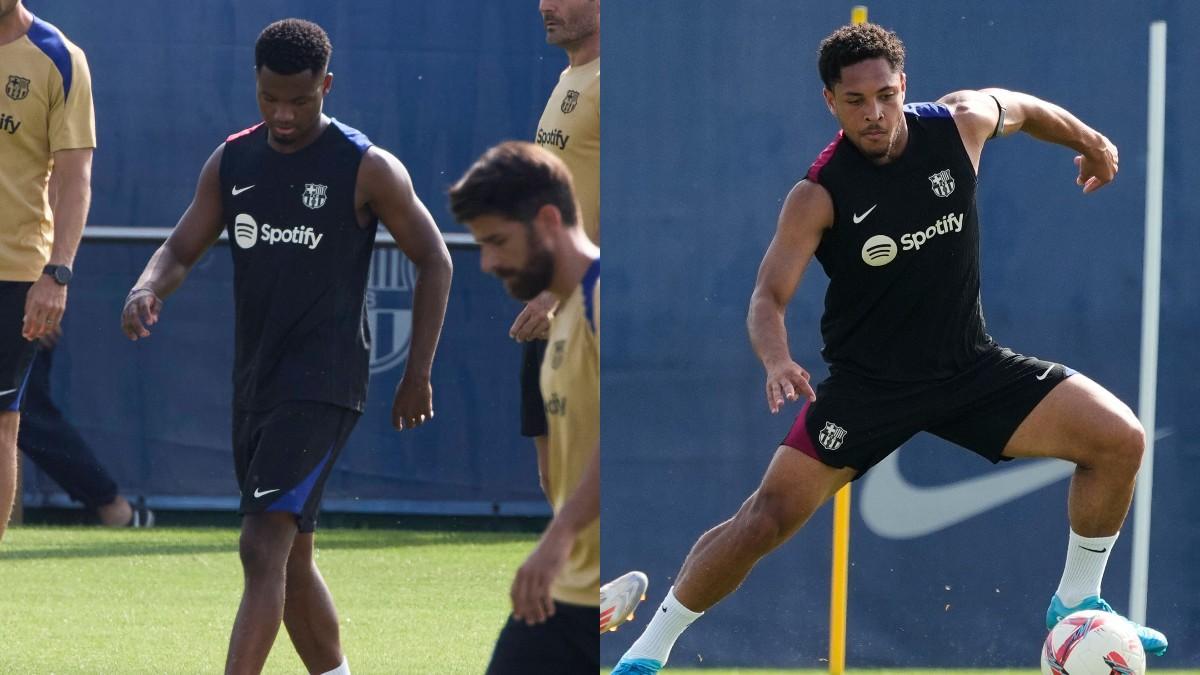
(533, 323)
(787, 381)
(142, 307)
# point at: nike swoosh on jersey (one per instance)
(858, 219)
(895, 508)
(7, 391)
(264, 493)
(1043, 375)
(237, 191)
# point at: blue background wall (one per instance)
(435, 83)
(718, 115)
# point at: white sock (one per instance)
(343, 669)
(670, 620)
(1086, 559)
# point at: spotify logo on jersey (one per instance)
(245, 230)
(879, 250)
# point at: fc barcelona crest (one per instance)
(18, 87)
(569, 101)
(943, 183)
(314, 195)
(556, 359)
(831, 436)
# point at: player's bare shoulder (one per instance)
(976, 114)
(808, 209)
(382, 180)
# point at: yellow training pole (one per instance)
(841, 572)
(841, 532)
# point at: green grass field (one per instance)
(87, 600)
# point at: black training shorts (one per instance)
(284, 455)
(16, 353)
(568, 643)
(533, 410)
(856, 422)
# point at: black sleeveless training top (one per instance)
(300, 262)
(902, 255)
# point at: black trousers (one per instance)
(47, 438)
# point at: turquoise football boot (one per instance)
(1153, 642)
(637, 667)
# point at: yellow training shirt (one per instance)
(46, 107)
(570, 127)
(570, 381)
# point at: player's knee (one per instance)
(1128, 444)
(766, 521)
(258, 555)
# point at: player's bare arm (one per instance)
(385, 191)
(976, 113)
(533, 323)
(807, 213)
(197, 230)
(530, 592)
(70, 196)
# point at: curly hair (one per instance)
(291, 46)
(849, 45)
(513, 180)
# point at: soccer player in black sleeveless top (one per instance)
(301, 196)
(888, 209)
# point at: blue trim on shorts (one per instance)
(293, 501)
(15, 406)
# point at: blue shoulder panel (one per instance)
(927, 109)
(358, 138)
(48, 39)
(589, 284)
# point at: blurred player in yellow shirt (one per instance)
(519, 204)
(47, 133)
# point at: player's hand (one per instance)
(142, 307)
(413, 405)
(50, 339)
(1098, 167)
(533, 323)
(787, 381)
(530, 590)
(45, 303)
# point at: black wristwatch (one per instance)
(60, 273)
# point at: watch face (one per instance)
(62, 274)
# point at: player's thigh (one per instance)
(1076, 420)
(794, 486)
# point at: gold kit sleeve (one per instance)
(570, 127)
(46, 107)
(571, 391)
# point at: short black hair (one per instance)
(849, 45)
(514, 180)
(291, 46)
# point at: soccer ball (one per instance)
(1093, 642)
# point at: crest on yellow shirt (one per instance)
(569, 101)
(556, 359)
(18, 87)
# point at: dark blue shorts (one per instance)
(16, 353)
(284, 455)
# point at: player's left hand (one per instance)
(530, 592)
(1098, 167)
(413, 405)
(44, 306)
(533, 323)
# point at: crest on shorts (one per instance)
(831, 436)
(943, 183)
(569, 101)
(389, 308)
(556, 358)
(18, 87)
(314, 195)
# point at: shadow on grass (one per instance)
(332, 541)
